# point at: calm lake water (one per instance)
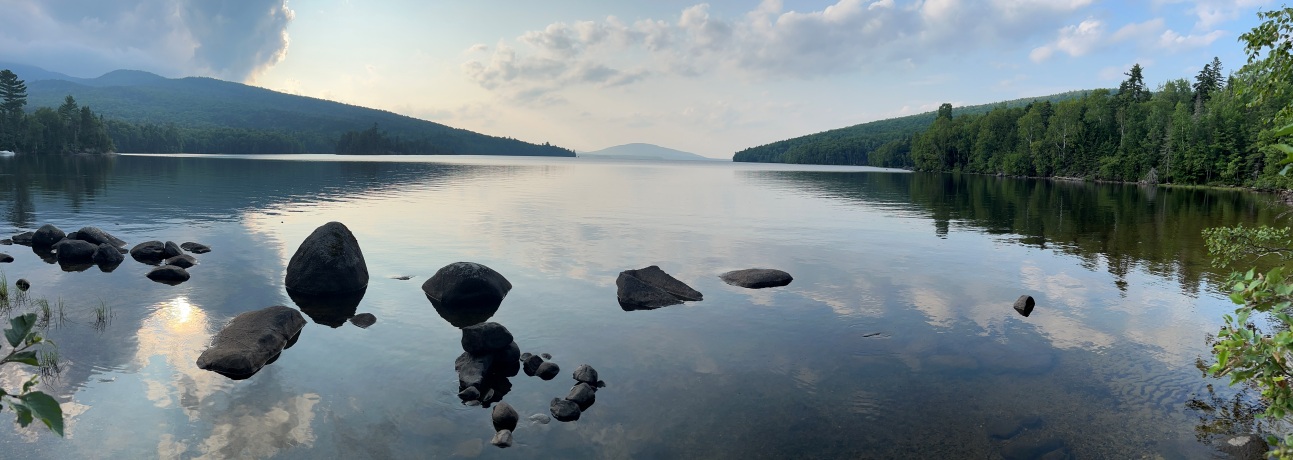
(895, 340)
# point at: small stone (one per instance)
(583, 394)
(541, 419)
(5, 258)
(182, 261)
(504, 417)
(564, 410)
(757, 278)
(531, 364)
(469, 394)
(1025, 305)
(547, 370)
(170, 249)
(107, 255)
(545, 356)
(149, 252)
(363, 320)
(23, 238)
(6, 242)
(585, 373)
(196, 248)
(168, 274)
(485, 337)
(502, 439)
(22, 284)
(402, 277)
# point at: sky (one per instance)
(709, 78)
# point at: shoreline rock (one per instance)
(252, 340)
(650, 288)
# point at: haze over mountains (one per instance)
(642, 151)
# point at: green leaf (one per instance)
(19, 328)
(31, 382)
(1285, 131)
(45, 408)
(24, 414)
(25, 357)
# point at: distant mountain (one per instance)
(640, 151)
(199, 106)
(858, 144)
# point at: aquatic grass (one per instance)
(62, 312)
(43, 314)
(102, 316)
(49, 363)
(4, 292)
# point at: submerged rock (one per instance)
(541, 419)
(650, 288)
(1024, 305)
(22, 284)
(107, 255)
(585, 373)
(251, 340)
(46, 236)
(485, 337)
(547, 370)
(531, 364)
(196, 248)
(328, 262)
(5, 258)
(466, 293)
(149, 252)
(168, 274)
(23, 238)
(469, 394)
(583, 394)
(757, 278)
(182, 261)
(472, 369)
(96, 236)
(504, 417)
(363, 320)
(502, 439)
(564, 410)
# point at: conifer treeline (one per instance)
(68, 129)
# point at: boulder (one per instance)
(96, 236)
(22, 284)
(251, 340)
(170, 249)
(531, 364)
(182, 261)
(75, 251)
(107, 255)
(485, 337)
(504, 417)
(650, 288)
(46, 236)
(582, 394)
(564, 410)
(328, 262)
(507, 362)
(1024, 305)
(23, 238)
(168, 274)
(547, 370)
(585, 373)
(502, 439)
(196, 248)
(149, 252)
(363, 320)
(5, 258)
(472, 369)
(466, 293)
(757, 278)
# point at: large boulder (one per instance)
(149, 252)
(97, 236)
(757, 278)
(328, 262)
(168, 274)
(650, 288)
(107, 255)
(466, 293)
(46, 236)
(485, 338)
(75, 251)
(196, 248)
(23, 238)
(251, 340)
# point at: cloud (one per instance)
(764, 43)
(1211, 13)
(236, 40)
(1152, 35)
(1074, 40)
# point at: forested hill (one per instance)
(150, 113)
(877, 143)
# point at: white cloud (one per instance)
(1074, 40)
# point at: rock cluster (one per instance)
(535, 366)
(581, 396)
(252, 340)
(489, 357)
(650, 288)
(504, 418)
(91, 246)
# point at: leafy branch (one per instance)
(27, 404)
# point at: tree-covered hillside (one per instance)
(878, 143)
(151, 113)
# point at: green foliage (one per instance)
(28, 405)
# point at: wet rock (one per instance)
(466, 293)
(527, 355)
(1244, 447)
(1026, 448)
(46, 236)
(757, 278)
(251, 340)
(585, 373)
(363, 320)
(328, 310)
(96, 236)
(170, 249)
(564, 410)
(183, 261)
(541, 419)
(149, 252)
(502, 439)
(504, 417)
(650, 288)
(547, 370)
(196, 248)
(472, 369)
(1024, 305)
(469, 394)
(485, 337)
(107, 255)
(75, 251)
(328, 262)
(6, 242)
(582, 394)
(168, 274)
(507, 362)
(5, 258)
(545, 356)
(23, 238)
(22, 284)
(402, 277)
(531, 364)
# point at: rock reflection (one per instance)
(332, 311)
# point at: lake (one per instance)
(896, 339)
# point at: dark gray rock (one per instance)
(466, 293)
(469, 394)
(75, 251)
(541, 419)
(149, 252)
(46, 236)
(547, 370)
(583, 394)
(5, 258)
(182, 261)
(251, 340)
(485, 337)
(6, 242)
(757, 278)
(472, 369)
(196, 248)
(22, 284)
(507, 362)
(504, 417)
(531, 364)
(363, 320)
(564, 410)
(1244, 447)
(170, 249)
(502, 439)
(585, 373)
(168, 274)
(527, 355)
(329, 261)
(650, 288)
(1024, 305)
(107, 255)
(23, 238)
(96, 236)
(545, 356)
